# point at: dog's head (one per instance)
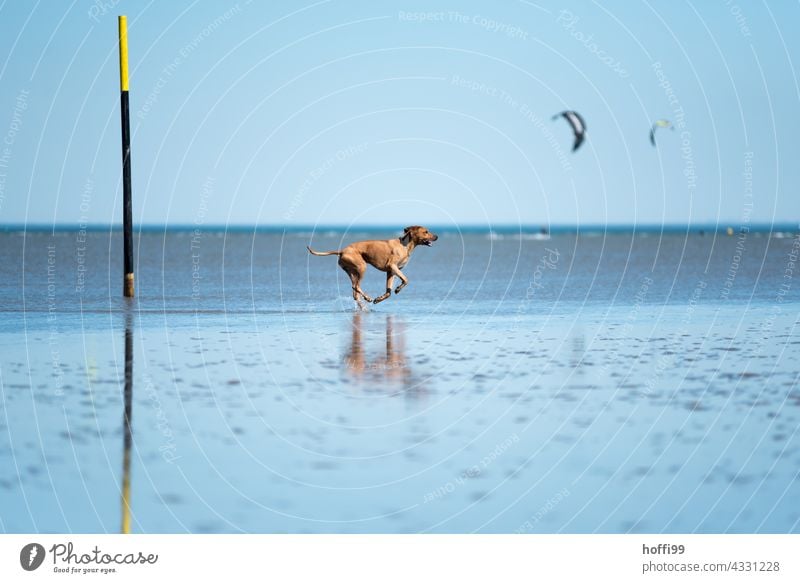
(420, 235)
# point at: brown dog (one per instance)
(389, 256)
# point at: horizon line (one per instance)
(472, 227)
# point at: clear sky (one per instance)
(340, 112)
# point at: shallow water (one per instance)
(575, 383)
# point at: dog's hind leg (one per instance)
(358, 287)
(356, 272)
(403, 278)
(356, 296)
(389, 283)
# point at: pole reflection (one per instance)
(127, 433)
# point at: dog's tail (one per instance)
(322, 253)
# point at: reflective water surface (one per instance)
(617, 383)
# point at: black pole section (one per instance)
(127, 206)
(127, 210)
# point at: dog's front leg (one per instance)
(389, 284)
(403, 278)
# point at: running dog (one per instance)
(389, 256)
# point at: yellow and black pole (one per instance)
(127, 207)
(128, 287)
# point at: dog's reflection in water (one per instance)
(386, 370)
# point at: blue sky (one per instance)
(352, 112)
